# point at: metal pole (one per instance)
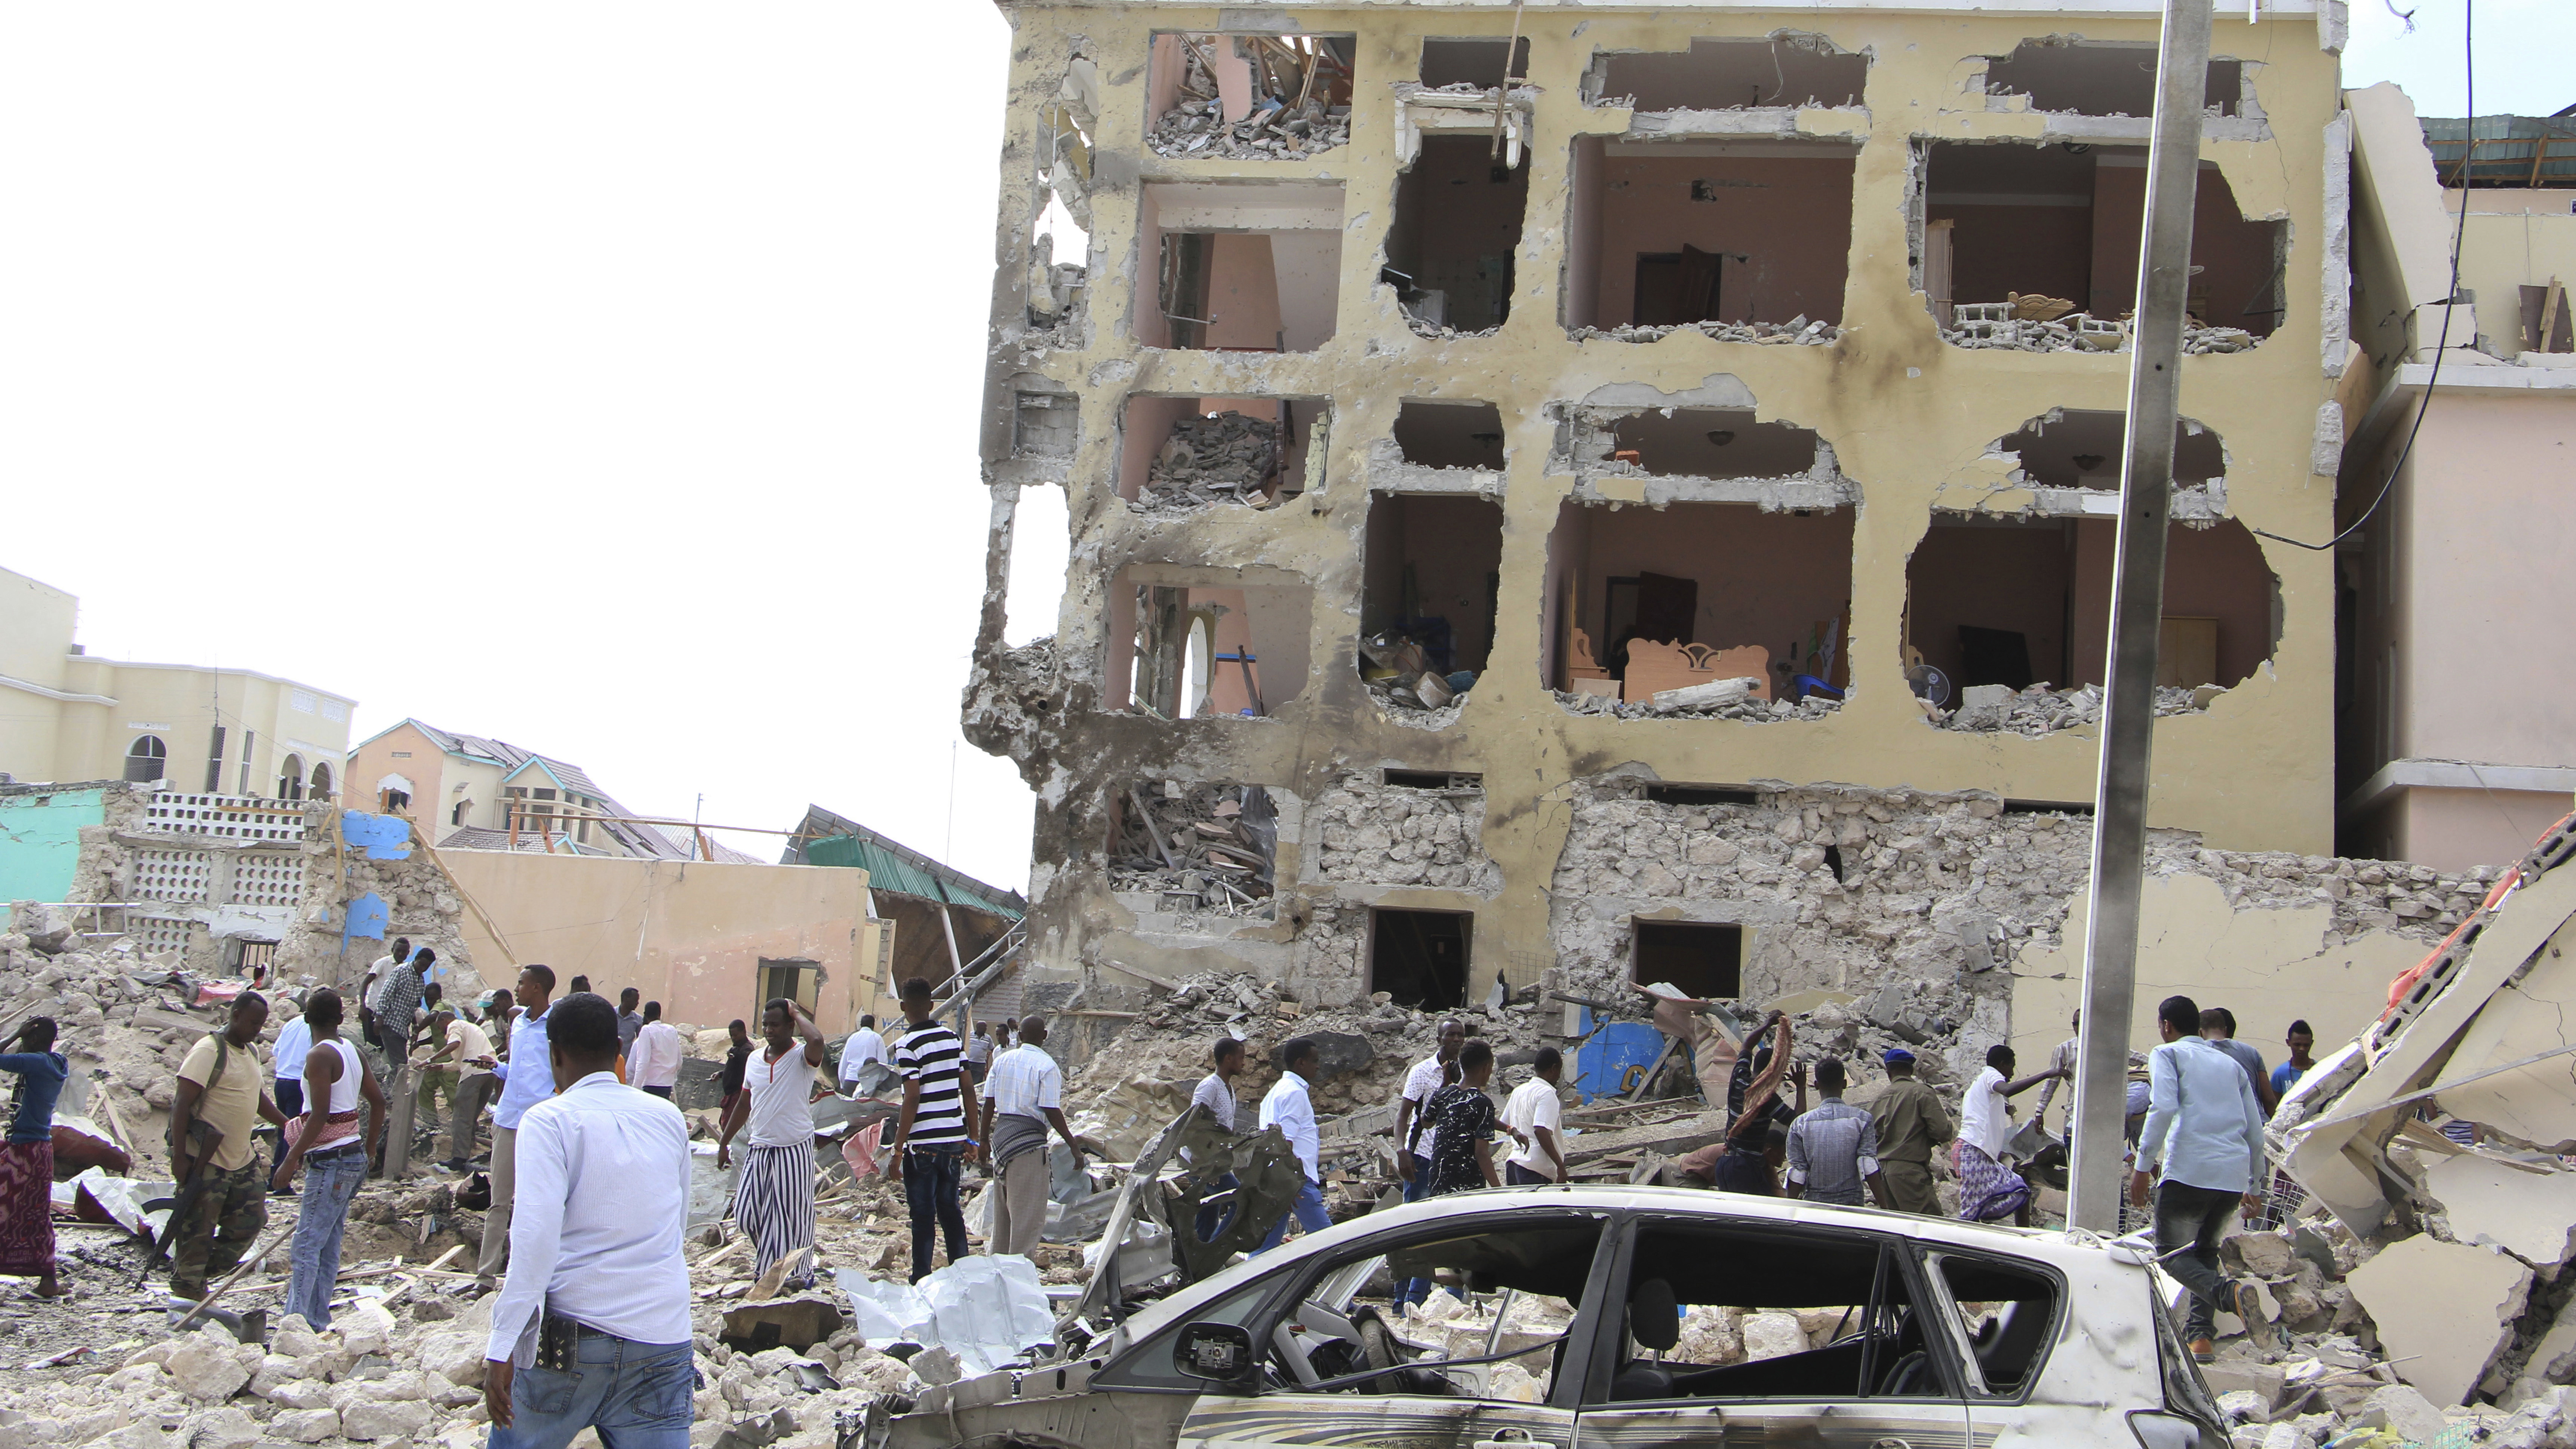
(2137, 614)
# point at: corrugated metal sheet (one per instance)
(2504, 150)
(891, 872)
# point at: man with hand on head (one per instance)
(591, 1330)
(774, 1203)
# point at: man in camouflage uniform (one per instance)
(220, 1085)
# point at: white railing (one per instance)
(226, 817)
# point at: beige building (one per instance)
(66, 715)
(2454, 738)
(471, 792)
(1384, 356)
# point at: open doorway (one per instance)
(796, 979)
(1420, 958)
(1430, 588)
(1458, 214)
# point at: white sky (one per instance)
(600, 377)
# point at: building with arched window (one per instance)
(66, 714)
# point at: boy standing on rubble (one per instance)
(1534, 1115)
(931, 1148)
(592, 1328)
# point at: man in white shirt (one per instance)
(773, 1203)
(1023, 1096)
(1533, 1115)
(294, 1040)
(375, 978)
(864, 1046)
(653, 1062)
(592, 1325)
(1292, 1111)
(1216, 1093)
(1414, 1139)
(2205, 1130)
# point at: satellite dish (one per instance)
(1929, 684)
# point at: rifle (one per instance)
(203, 1139)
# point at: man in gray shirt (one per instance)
(1834, 1148)
(2218, 1024)
(1216, 1093)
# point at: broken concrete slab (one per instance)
(2528, 1213)
(2443, 1310)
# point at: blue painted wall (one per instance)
(40, 842)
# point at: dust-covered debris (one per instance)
(1200, 847)
(1228, 458)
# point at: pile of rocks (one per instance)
(1410, 701)
(1228, 458)
(1751, 709)
(124, 1014)
(1795, 330)
(1272, 132)
(2041, 709)
(1991, 326)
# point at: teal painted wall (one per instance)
(40, 842)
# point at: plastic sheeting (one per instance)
(987, 1310)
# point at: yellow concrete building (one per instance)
(67, 715)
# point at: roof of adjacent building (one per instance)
(2508, 150)
(824, 838)
(622, 826)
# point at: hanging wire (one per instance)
(2442, 342)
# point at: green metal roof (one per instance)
(892, 871)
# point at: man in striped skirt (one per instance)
(774, 1203)
(930, 1149)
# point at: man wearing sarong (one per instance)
(1989, 1189)
(1023, 1096)
(774, 1205)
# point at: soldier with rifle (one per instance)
(214, 1157)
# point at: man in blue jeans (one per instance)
(592, 1326)
(1292, 1111)
(931, 1146)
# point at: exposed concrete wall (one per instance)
(690, 935)
(1901, 411)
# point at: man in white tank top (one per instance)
(333, 1153)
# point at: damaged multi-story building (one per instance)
(1626, 493)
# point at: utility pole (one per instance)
(2137, 615)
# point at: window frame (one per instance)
(1607, 1348)
(1972, 1377)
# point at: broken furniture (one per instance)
(1654, 668)
(1584, 675)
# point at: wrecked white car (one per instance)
(1617, 1316)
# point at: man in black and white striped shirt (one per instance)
(930, 1149)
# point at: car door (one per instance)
(1400, 1402)
(1882, 1379)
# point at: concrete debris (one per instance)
(1198, 848)
(2444, 1309)
(1228, 458)
(1271, 133)
(2043, 709)
(1373, 834)
(1795, 330)
(2018, 326)
(1719, 705)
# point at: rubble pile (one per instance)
(127, 1018)
(1796, 330)
(1401, 678)
(1903, 886)
(1228, 458)
(1202, 848)
(1373, 834)
(2048, 324)
(2042, 709)
(1753, 710)
(1273, 132)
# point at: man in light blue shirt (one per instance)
(2206, 1129)
(527, 1078)
(1292, 1111)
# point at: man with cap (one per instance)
(1911, 1122)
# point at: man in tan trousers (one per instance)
(1023, 1095)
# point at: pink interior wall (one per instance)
(1453, 544)
(1226, 694)
(2012, 577)
(2235, 254)
(2486, 540)
(1793, 219)
(1243, 293)
(1233, 76)
(1764, 578)
(2210, 573)
(1166, 65)
(1146, 427)
(1998, 250)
